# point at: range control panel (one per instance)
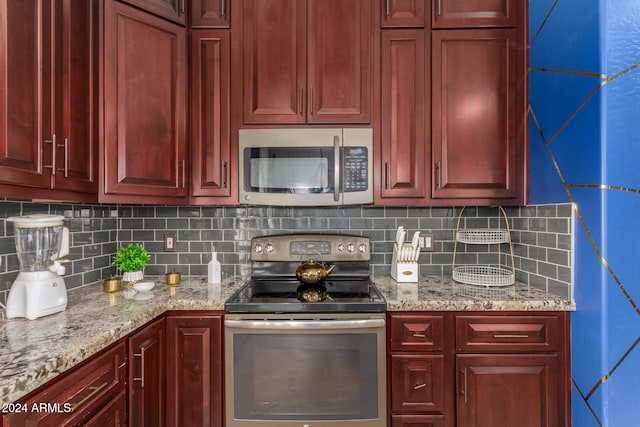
(297, 247)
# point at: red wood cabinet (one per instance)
(47, 113)
(404, 13)
(477, 13)
(173, 10)
(404, 151)
(194, 370)
(307, 61)
(147, 401)
(478, 119)
(210, 13)
(93, 393)
(144, 146)
(212, 158)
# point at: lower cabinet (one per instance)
(479, 369)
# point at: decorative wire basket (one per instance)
(483, 275)
(481, 292)
(476, 236)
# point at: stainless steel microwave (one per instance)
(306, 167)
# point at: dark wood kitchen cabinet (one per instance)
(307, 61)
(478, 116)
(173, 10)
(404, 13)
(147, 402)
(48, 117)
(477, 13)
(194, 370)
(213, 161)
(404, 149)
(92, 393)
(144, 147)
(210, 13)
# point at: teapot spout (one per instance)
(329, 270)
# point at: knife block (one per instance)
(403, 271)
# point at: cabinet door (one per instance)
(508, 390)
(404, 149)
(210, 13)
(477, 117)
(476, 13)
(275, 61)
(404, 13)
(194, 371)
(210, 139)
(145, 111)
(147, 376)
(417, 383)
(76, 120)
(173, 10)
(112, 415)
(340, 61)
(26, 88)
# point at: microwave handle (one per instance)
(337, 183)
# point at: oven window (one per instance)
(305, 376)
(289, 170)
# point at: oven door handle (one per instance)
(337, 169)
(288, 325)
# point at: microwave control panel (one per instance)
(355, 169)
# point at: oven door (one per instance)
(323, 371)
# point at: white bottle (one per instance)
(215, 274)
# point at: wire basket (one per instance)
(485, 237)
(483, 275)
(478, 292)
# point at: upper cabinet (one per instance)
(47, 114)
(210, 13)
(307, 61)
(477, 13)
(144, 146)
(173, 10)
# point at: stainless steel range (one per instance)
(305, 336)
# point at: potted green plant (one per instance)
(131, 259)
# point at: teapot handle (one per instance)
(311, 250)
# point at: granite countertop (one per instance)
(33, 352)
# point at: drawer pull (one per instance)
(464, 390)
(95, 391)
(416, 335)
(141, 356)
(510, 336)
(419, 386)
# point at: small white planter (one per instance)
(132, 276)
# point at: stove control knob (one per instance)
(258, 248)
(340, 247)
(269, 247)
(351, 247)
(362, 247)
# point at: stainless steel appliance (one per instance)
(306, 167)
(306, 362)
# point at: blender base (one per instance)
(36, 294)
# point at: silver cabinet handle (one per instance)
(223, 8)
(386, 7)
(182, 7)
(52, 141)
(419, 386)
(224, 174)
(311, 100)
(141, 356)
(183, 174)
(66, 157)
(386, 175)
(464, 390)
(438, 7)
(438, 175)
(95, 390)
(510, 336)
(416, 335)
(336, 168)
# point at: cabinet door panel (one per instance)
(145, 95)
(508, 390)
(147, 376)
(194, 371)
(340, 61)
(404, 99)
(211, 151)
(476, 117)
(404, 13)
(26, 88)
(417, 332)
(417, 421)
(210, 13)
(274, 34)
(421, 388)
(476, 13)
(170, 9)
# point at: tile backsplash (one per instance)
(541, 237)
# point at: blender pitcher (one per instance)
(39, 290)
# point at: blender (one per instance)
(39, 290)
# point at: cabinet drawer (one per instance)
(417, 421)
(411, 332)
(508, 333)
(417, 383)
(78, 394)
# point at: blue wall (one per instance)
(584, 147)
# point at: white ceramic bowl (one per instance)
(143, 286)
